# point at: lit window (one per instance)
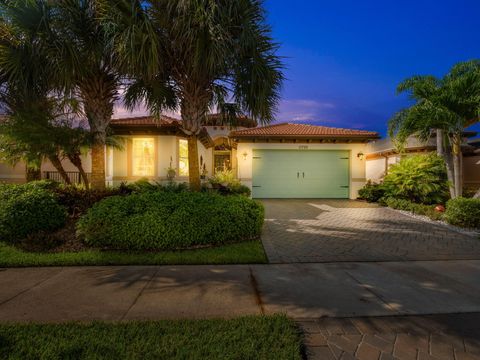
(143, 157)
(182, 157)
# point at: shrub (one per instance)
(78, 200)
(371, 192)
(226, 183)
(169, 220)
(28, 208)
(418, 178)
(419, 209)
(463, 212)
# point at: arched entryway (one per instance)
(224, 154)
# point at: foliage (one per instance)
(145, 185)
(419, 209)
(226, 182)
(463, 212)
(418, 178)
(371, 192)
(78, 200)
(25, 209)
(446, 105)
(252, 337)
(195, 56)
(250, 252)
(168, 220)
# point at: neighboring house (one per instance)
(382, 153)
(275, 161)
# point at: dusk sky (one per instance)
(344, 58)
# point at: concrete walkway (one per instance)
(302, 291)
(303, 231)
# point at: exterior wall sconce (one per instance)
(245, 154)
(360, 155)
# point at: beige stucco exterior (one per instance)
(357, 164)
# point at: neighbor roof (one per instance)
(289, 130)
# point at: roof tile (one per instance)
(301, 130)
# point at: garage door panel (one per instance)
(300, 174)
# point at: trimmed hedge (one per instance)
(169, 220)
(463, 212)
(28, 208)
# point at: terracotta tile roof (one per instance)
(302, 130)
(212, 120)
(145, 121)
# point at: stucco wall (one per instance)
(357, 166)
(12, 174)
(471, 170)
(375, 169)
(166, 149)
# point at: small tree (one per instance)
(196, 55)
(444, 106)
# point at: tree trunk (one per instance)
(193, 108)
(457, 164)
(193, 164)
(57, 164)
(440, 147)
(98, 95)
(477, 195)
(447, 156)
(98, 166)
(76, 160)
(33, 173)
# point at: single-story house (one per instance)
(287, 160)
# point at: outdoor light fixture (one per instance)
(245, 155)
(360, 155)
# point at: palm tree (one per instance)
(444, 106)
(201, 54)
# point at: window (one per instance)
(183, 157)
(143, 156)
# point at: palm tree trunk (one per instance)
(98, 96)
(57, 164)
(447, 156)
(477, 195)
(193, 164)
(440, 147)
(76, 160)
(193, 110)
(457, 164)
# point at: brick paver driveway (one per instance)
(344, 230)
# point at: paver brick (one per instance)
(345, 230)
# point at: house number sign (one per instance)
(303, 147)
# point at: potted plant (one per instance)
(171, 171)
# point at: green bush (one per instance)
(78, 200)
(169, 220)
(419, 178)
(371, 192)
(29, 208)
(419, 209)
(226, 183)
(463, 212)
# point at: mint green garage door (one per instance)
(301, 174)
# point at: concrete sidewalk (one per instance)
(302, 291)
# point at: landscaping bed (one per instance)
(418, 185)
(255, 337)
(43, 223)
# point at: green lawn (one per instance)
(255, 337)
(241, 253)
